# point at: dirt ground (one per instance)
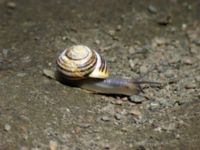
(152, 40)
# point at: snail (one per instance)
(80, 66)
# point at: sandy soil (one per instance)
(153, 40)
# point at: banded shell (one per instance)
(79, 61)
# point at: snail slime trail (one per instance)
(80, 66)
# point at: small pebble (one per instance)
(1, 60)
(164, 20)
(143, 69)
(197, 42)
(187, 61)
(184, 26)
(11, 5)
(135, 112)
(119, 27)
(169, 127)
(173, 29)
(131, 63)
(124, 98)
(112, 59)
(154, 105)
(64, 38)
(49, 73)
(21, 74)
(105, 118)
(71, 39)
(109, 108)
(118, 116)
(36, 38)
(158, 129)
(106, 146)
(177, 136)
(53, 145)
(124, 129)
(197, 78)
(152, 9)
(119, 102)
(169, 73)
(159, 42)
(7, 127)
(25, 137)
(5, 52)
(35, 148)
(26, 59)
(111, 32)
(131, 50)
(190, 85)
(123, 112)
(49, 64)
(97, 41)
(137, 99)
(84, 125)
(175, 59)
(23, 148)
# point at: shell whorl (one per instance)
(79, 61)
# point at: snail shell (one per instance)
(79, 62)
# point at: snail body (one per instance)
(113, 85)
(83, 67)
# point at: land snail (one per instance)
(80, 66)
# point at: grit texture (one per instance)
(145, 40)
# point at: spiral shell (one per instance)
(79, 61)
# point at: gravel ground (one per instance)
(147, 40)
